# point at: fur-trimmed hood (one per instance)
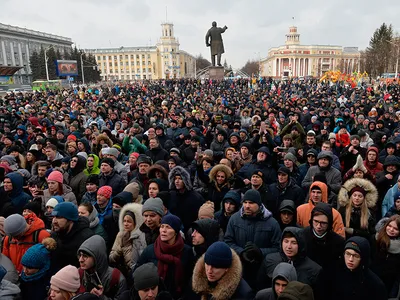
(151, 173)
(136, 209)
(372, 193)
(179, 171)
(105, 138)
(213, 173)
(226, 286)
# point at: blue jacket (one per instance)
(388, 201)
(263, 230)
(107, 211)
(17, 197)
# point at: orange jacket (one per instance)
(304, 211)
(17, 248)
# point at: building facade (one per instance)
(164, 60)
(17, 45)
(295, 60)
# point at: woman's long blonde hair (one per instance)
(364, 213)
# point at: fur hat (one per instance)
(360, 165)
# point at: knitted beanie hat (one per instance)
(108, 161)
(253, 196)
(66, 210)
(105, 191)
(56, 176)
(154, 204)
(38, 256)
(54, 201)
(172, 221)
(67, 279)
(15, 225)
(206, 210)
(218, 255)
(146, 276)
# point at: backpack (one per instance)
(115, 277)
(34, 241)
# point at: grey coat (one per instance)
(333, 178)
(95, 246)
(263, 230)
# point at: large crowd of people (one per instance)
(200, 189)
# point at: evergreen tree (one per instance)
(51, 64)
(34, 65)
(379, 50)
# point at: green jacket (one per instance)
(133, 145)
(95, 169)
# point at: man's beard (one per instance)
(62, 231)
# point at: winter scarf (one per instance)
(170, 255)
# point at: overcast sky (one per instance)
(254, 26)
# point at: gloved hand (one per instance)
(252, 254)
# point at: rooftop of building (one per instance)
(39, 34)
(121, 49)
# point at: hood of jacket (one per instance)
(85, 142)
(297, 291)
(374, 149)
(134, 208)
(80, 165)
(36, 165)
(286, 271)
(324, 209)
(234, 196)
(324, 190)
(372, 193)
(96, 163)
(209, 229)
(297, 233)
(34, 223)
(95, 246)
(17, 182)
(9, 290)
(263, 214)
(225, 287)
(365, 251)
(151, 173)
(220, 167)
(179, 171)
(93, 218)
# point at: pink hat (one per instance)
(135, 154)
(56, 176)
(67, 279)
(105, 191)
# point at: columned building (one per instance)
(164, 60)
(296, 60)
(17, 45)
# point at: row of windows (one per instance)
(121, 57)
(127, 71)
(126, 63)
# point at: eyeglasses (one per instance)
(83, 255)
(323, 224)
(355, 256)
(74, 160)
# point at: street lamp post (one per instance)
(397, 58)
(45, 61)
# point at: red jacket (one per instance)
(17, 248)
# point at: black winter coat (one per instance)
(291, 192)
(116, 181)
(186, 206)
(68, 245)
(157, 154)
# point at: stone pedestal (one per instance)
(216, 73)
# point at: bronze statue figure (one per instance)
(214, 40)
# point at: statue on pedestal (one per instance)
(214, 41)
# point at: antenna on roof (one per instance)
(293, 20)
